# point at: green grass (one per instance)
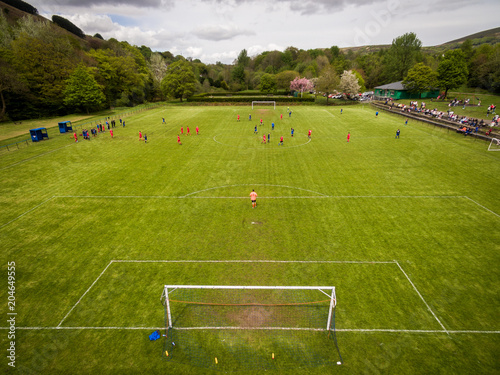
(409, 227)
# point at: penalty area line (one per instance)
(421, 297)
(480, 205)
(27, 212)
(83, 295)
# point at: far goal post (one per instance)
(264, 102)
(494, 145)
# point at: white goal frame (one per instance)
(322, 289)
(264, 102)
(494, 142)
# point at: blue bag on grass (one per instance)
(154, 336)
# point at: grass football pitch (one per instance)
(406, 229)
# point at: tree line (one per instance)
(44, 70)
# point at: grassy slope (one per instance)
(445, 245)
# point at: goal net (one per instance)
(494, 145)
(250, 324)
(264, 102)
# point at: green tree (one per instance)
(420, 78)
(10, 82)
(328, 81)
(267, 83)
(179, 82)
(82, 90)
(402, 55)
(243, 58)
(452, 71)
(46, 64)
(238, 73)
(284, 78)
(361, 80)
(120, 75)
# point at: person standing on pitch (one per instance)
(309, 134)
(253, 197)
(397, 133)
(348, 136)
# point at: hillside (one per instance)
(491, 36)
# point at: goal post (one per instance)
(494, 145)
(232, 327)
(249, 307)
(265, 102)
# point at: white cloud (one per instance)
(219, 32)
(216, 30)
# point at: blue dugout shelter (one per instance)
(65, 126)
(38, 134)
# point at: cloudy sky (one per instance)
(217, 30)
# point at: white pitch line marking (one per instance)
(90, 287)
(421, 297)
(34, 157)
(254, 261)
(355, 330)
(265, 185)
(321, 195)
(27, 212)
(480, 205)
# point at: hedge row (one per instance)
(68, 25)
(21, 5)
(198, 99)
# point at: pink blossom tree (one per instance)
(301, 84)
